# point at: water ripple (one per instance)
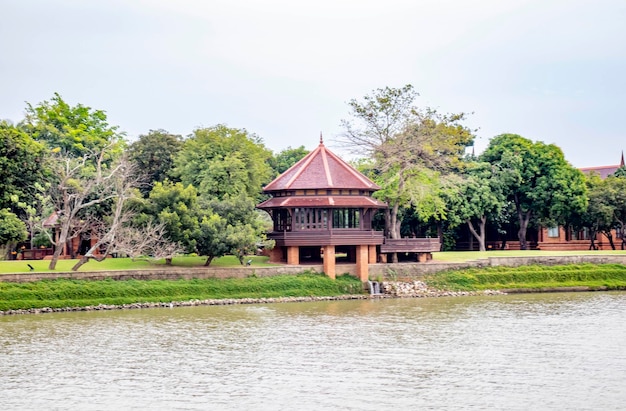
(549, 351)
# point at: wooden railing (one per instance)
(36, 253)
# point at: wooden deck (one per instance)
(410, 245)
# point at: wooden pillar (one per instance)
(293, 255)
(372, 255)
(362, 262)
(329, 261)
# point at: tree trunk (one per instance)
(610, 237)
(58, 248)
(84, 259)
(524, 219)
(394, 232)
(480, 234)
(208, 260)
(592, 237)
(440, 235)
(168, 261)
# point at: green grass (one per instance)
(80, 293)
(463, 256)
(231, 261)
(20, 266)
(609, 276)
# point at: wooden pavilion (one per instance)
(322, 210)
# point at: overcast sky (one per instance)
(549, 70)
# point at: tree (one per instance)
(120, 187)
(148, 242)
(221, 161)
(477, 197)
(75, 131)
(538, 180)
(153, 154)
(12, 230)
(81, 184)
(410, 150)
(22, 169)
(175, 206)
(618, 183)
(607, 208)
(242, 226)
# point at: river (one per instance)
(561, 351)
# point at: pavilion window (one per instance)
(346, 218)
(282, 221)
(311, 218)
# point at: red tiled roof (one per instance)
(322, 201)
(602, 171)
(321, 169)
(51, 221)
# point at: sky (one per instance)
(549, 70)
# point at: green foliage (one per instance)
(411, 150)
(221, 161)
(607, 206)
(154, 154)
(176, 206)
(75, 131)
(12, 229)
(538, 180)
(241, 226)
(474, 198)
(22, 169)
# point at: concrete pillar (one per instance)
(293, 255)
(362, 262)
(372, 255)
(329, 261)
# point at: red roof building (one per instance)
(321, 207)
(604, 171)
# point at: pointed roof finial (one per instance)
(321, 139)
(621, 163)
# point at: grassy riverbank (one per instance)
(84, 293)
(534, 277)
(81, 293)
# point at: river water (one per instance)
(517, 352)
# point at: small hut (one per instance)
(322, 210)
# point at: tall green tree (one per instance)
(84, 152)
(244, 226)
(23, 169)
(477, 197)
(607, 208)
(12, 231)
(543, 186)
(410, 150)
(176, 207)
(75, 131)
(154, 154)
(221, 161)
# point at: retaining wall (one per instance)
(376, 271)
